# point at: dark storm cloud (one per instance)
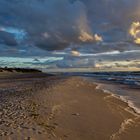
(112, 18)
(7, 38)
(53, 24)
(50, 24)
(112, 12)
(41, 27)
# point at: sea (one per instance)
(125, 85)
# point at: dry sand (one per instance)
(38, 107)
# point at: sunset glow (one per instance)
(135, 32)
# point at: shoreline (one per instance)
(134, 109)
(67, 108)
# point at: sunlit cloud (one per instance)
(135, 32)
(98, 38)
(75, 53)
(86, 37)
(118, 64)
(85, 32)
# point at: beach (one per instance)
(37, 106)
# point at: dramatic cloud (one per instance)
(85, 37)
(49, 24)
(82, 32)
(53, 24)
(135, 32)
(7, 38)
(101, 60)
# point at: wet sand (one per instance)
(42, 107)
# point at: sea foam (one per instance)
(122, 98)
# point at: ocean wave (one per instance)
(137, 83)
(125, 99)
(130, 104)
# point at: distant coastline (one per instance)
(23, 70)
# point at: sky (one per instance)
(55, 34)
